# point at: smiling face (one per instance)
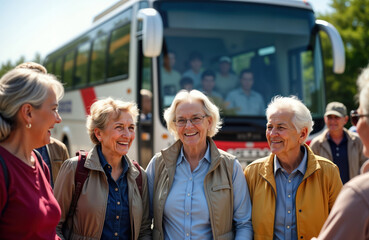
(283, 138)
(192, 136)
(117, 136)
(45, 118)
(335, 123)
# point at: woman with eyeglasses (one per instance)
(197, 191)
(349, 218)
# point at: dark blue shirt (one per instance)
(45, 157)
(340, 157)
(117, 221)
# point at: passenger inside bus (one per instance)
(244, 100)
(169, 76)
(146, 105)
(195, 71)
(208, 85)
(225, 78)
(186, 83)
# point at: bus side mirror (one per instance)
(150, 27)
(338, 49)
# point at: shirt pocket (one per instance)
(221, 187)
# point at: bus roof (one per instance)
(123, 4)
(288, 3)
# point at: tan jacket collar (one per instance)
(267, 171)
(93, 163)
(171, 153)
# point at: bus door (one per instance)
(145, 103)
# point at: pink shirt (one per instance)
(32, 211)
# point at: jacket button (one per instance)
(300, 210)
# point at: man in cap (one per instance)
(226, 80)
(336, 143)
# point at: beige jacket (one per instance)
(217, 180)
(88, 220)
(356, 158)
(58, 153)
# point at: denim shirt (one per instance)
(117, 221)
(287, 184)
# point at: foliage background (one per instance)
(351, 18)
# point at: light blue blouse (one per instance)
(186, 214)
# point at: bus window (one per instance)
(97, 71)
(119, 52)
(80, 77)
(68, 70)
(58, 67)
(50, 66)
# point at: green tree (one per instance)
(351, 18)
(5, 67)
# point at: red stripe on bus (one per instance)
(225, 145)
(89, 97)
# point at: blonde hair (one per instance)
(20, 86)
(209, 108)
(33, 66)
(104, 109)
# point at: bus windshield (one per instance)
(240, 55)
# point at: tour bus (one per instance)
(162, 45)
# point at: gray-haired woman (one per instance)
(28, 111)
(197, 191)
(111, 205)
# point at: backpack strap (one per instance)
(79, 179)
(6, 178)
(39, 158)
(139, 177)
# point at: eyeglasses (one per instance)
(196, 120)
(355, 117)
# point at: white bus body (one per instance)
(127, 46)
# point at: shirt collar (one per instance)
(301, 168)
(344, 139)
(105, 163)
(182, 157)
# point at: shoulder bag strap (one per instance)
(79, 179)
(139, 177)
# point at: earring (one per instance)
(28, 125)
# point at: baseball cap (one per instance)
(336, 108)
(225, 59)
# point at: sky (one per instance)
(41, 26)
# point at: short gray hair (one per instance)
(363, 90)
(301, 114)
(20, 86)
(363, 79)
(364, 100)
(209, 108)
(104, 109)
